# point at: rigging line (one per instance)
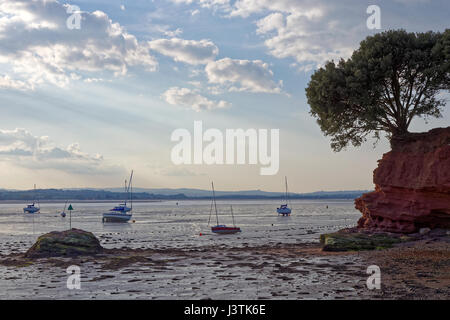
(215, 204)
(287, 195)
(131, 189)
(232, 216)
(210, 212)
(126, 191)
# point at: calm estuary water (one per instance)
(168, 225)
(221, 266)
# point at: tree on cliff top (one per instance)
(393, 77)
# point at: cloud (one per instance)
(307, 8)
(273, 21)
(38, 47)
(306, 40)
(22, 148)
(242, 75)
(187, 51)
(211, 4)
(191, 99)
(309, 31)
(7, 83)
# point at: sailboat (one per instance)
(31, 208)
(119, 213)
(284, 210)
(63, 213)
(221, 228)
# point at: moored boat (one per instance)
(32, 208)
(221, 228)
(119, 213)
(63, 213)
(284, 209)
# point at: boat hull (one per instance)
(31, 210)
(284, 211)
(116, 217)
(225, 230)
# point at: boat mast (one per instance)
(232, 216)
(210, 211)
(285, 180)
(34, 194)
(130, 186)
(36, 197)
(215, 205)
(126, 191)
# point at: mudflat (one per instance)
(410, 270)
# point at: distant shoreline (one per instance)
(88, 195)
(163, 200)
(75, 201)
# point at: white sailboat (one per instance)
(32, 208)
(284, 210)
(120, 213)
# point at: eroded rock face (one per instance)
(412, 185)
(72, 242)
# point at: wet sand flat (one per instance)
(292, 271)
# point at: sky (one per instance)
(82, 107)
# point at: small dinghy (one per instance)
(221, 228)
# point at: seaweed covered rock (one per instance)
(357, 241)
(71, 242)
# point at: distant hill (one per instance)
(196, 193)
(199, 192)
(165, 194)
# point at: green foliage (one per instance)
(393, 77)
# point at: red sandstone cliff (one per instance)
(412, 185)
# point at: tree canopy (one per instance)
(393, 77)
